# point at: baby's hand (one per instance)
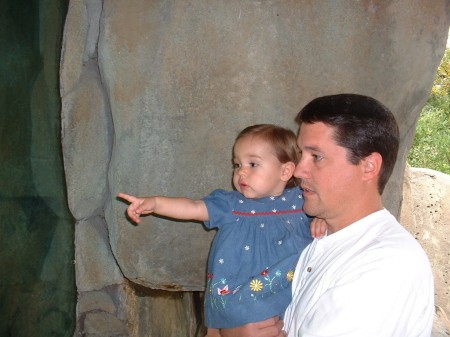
(318, 228)
(138, 206)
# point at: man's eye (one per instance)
(317, 157)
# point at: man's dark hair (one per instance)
(361, 124)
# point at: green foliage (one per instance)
(431, 147)
(441, 85)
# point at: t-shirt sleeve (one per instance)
(220, 206)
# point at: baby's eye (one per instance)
(236, 166)
(253, 164)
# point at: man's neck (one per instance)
(337, 224)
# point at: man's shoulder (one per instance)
(395, 248)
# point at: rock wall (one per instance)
(154, 92)
(425, 213)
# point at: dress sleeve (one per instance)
(220, 205)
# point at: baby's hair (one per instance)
(283, 141)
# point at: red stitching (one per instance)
(267, 213)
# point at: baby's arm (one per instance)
(177, 208)
(318, 228)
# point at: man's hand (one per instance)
(271, 327)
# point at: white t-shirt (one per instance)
(370, 279)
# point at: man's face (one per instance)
(331, 184)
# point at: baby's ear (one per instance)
(287, 171)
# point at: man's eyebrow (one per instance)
(311, 148)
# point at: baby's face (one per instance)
(257, 171)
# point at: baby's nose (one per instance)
(242, 171)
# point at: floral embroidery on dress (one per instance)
(223, 291)
(256, 285)
(290, 275)
(214, 301)
(273, 281)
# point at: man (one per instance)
(368, 276)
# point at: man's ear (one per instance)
(372, 165)
(287, 171)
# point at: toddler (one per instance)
(262, 228)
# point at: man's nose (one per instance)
(300, 170)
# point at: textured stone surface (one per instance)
(426, 214)
(96, 300)
(154, 93)
(95, 264)
(101, 324)
(178, 80)
(441, 327)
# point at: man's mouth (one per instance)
(306, 189)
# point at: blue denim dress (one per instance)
(253, 256)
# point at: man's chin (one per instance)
(309, 209)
